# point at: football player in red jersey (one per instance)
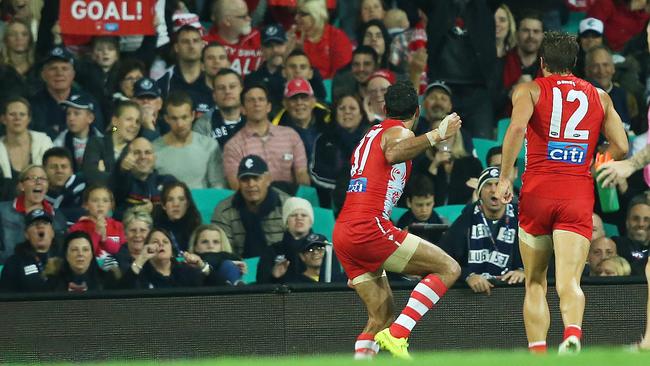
(367, 243)
(561, 117)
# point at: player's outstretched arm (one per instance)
(523, 105)
(400, 144)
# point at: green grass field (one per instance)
(594, 357)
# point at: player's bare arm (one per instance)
(523, 101)
(400, 144)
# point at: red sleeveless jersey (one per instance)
(375, 185)
(562, 135)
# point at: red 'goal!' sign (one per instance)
(107, 17)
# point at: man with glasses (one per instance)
(232, 28)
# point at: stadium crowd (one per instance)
(109, 145)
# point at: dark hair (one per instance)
(494, 150)
(57, 152)
(355, 96)
(114, 41)
(419, 186)
(123, 105)
(250, 87)
(210, 45)
(298, 52)
(178, 98)
(559, 51)
(185, 28)
(227, 71)
(125, 66)
(639, 199)
(190, 221)
(383, 61)
(93, 272)
(95, 187)
(530, 14)
(16, 99)
(366, 50)
(401, 100)
(174, 244)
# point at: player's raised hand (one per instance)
(449, 126)
(608, 173)
(504, 190)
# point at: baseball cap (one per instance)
(437, 84)
(58, 53)
(298, 86)
(252, 165)
(383, 73)
(79, 101)
(37, 215)
(273, 33)
(591, 25)
(146, 87)
(313, 240)
(179, 20)
(488, 174)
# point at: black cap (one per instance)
(80, 101)
(313, 240)
(252, 165)
(488, 174)
(439, 84)
(273, 33)
(59, 53)
(37, 215)
(146, 87)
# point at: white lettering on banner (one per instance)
(479, 231)
(95, 10)
(487, 256)
(506, 235)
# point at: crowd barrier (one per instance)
(282, 320)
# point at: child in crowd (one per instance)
(107, 234)
(420, 201)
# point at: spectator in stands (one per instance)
(58, 74)
(32, 186)
(137, 225)
(186, 74)
(303, 113)
(614, 266)
(375, 35)
(599, 69)
(190, 157)
(20, 147)
(623, 19)
(598, 230)
(327, 47)
(420, 200)
(128, 72)
(137, 183)
(211, 243)
(333, 148)
(373, 102)
(590, 35)
(79, 118)
(372, 10)
(436, 105)
(600, 249)
(232, 28)
(484, 239)
(404, 44)
(634, 245)
(103, 154)
(177, 214)
(18, 50)
(225, 119)
(149, 96)
(66, 188)
(252, 217)
(354, 79)
(157, 267)
(457, 35)
(28, 268)
(493, 158)
(298, 65)
(96, 73)
(280, 147)
(214, 58)
(505, 30)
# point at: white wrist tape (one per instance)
(432, 140)
(442, 128)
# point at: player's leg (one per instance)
(377, 296)
(570, 257)
(439, 271)
(535, 254)
(645, 342)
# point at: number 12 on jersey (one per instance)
(570, 131)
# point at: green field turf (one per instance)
(595, 357)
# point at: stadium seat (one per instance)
(207, 199)
(323, 222)
(251, 275)
(327, 83)
(573, 23)
(502, 127)
(611, 230)
(482, 146)
(449, 212)
(310, 194)
(397, 214)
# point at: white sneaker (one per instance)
(570, 346)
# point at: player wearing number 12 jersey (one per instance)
(367, 243)
(561, 117)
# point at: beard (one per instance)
(436, 113)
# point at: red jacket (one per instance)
(114, 235)
(332, 52)
(621, 23)
(246, 55)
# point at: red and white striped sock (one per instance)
(365, 347)
(572, 330)
(537, 347)
(424, 296)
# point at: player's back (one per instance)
(375, 185)
(563, 132)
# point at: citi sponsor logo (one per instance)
(567, 152)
